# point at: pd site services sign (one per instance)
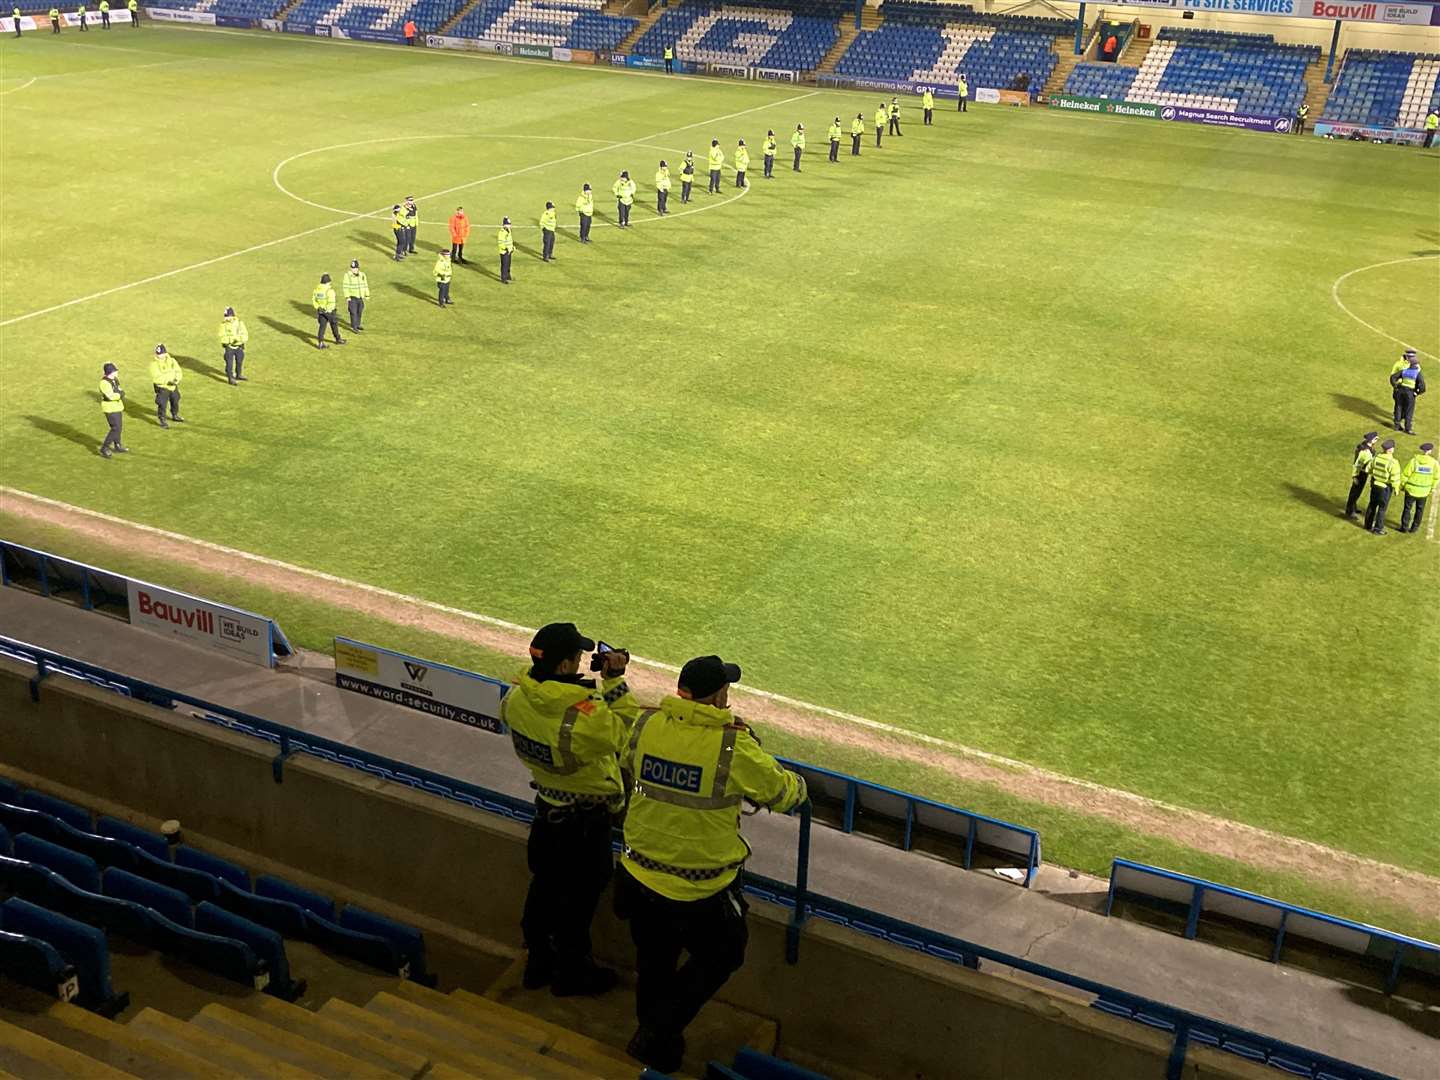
(423, 685)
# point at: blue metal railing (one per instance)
(1182, 1025)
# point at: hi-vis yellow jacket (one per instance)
(570, 733)
(692, 767)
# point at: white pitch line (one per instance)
(432, 195)
(22, 86)
(1335, 295)
(659, 665)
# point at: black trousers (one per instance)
(854, 145)
(165, 396)
(685, 186)
(1357, 488)
(17, 28)
(571, 862)
(410, 231)
(457, 253)
(712, 934)
(894, 126)
(796, 165)
(661, 198)
(929, 117)
(547, 244)
(324, 319)
(1375, 511)
(739, 177)
(879, 130)
(234, 359)
(834, 149)
(963, 104)
(1404, 408)
(1429, 137)
(1299, 125)
(624, 214)
(135, 19)
(714, 182)
(669, 67)
(54, 26)
(400, 243)
(105, 19)
(116, 420)
(505, 265)
(1417, 504)
(410, 40)
(357, 311)
(769, 164)
(442, 290)
(585, 220)
(82, 24)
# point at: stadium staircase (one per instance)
(651, 18)
(1316, 88)
(636, 9)
(465, 9)
(1135, 52)
(1065, 49)
(287, 7)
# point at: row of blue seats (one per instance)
(58, 861)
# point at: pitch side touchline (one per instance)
(275, 176)
(660, 665)
(432, 195)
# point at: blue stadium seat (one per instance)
(133, 835)
(407, 939)
(1385, 89)
(573, 24)
(753, 1065)
(43, 886)
(84, 947)
(747, 33)
(172, 903)
(196, 884)
(79, 869)
(266, 943)
(35, 963)
(103, 849)
(9, 792)
(284, 917)
(65, 811)
(279, 889)
(5, 843)
(212, 864)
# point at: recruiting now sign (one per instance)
(423, 685)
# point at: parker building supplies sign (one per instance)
(237, 633)
(446, 692)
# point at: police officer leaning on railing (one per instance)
(569, 733)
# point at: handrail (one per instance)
(1185, 1026)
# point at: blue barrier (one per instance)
(1184, 1026)
(1198, 896)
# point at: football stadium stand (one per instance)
(742, 34)
(935, 42)
(1206, 69)
(1385, 89)
(571, 24)
(379, 15)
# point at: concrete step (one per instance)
(628, 41)
(162, 1027)
(395, 1060)
(299, 1050)
(440, 1051)
(472, 1010)
(117, 1045)
(31, 1057)
(848, 34)
(446, 26)
(478, 1040)
(716, 1034)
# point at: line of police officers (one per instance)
(675, 778)
(1382, 472)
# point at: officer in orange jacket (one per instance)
(459, 230)
(409, 31)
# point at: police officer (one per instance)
(54, 20)
(927, 103)
(835, 133)
(397, 225)
(716, 163)
(357, 290)
(769, 153)
(624, 190)
(323, 299)
(963, 86)
(1301, 115)
(80, 14)
(105, 14)
(569, 733)
(412, 224)
(547, 232)
(16, 14)
(585, 207)
(1432, 121)
(233, 337)
(505, 241)
(1384, 480)
(687, 176)
(662, 188)
(797, 144)
(1417, 481)
(1409, 384)
(693, 763)
(442, 272)
(742, 164)
(165, 376)
(895, 116)
(857, 130)
(669, 60)
(112, 405)
(882, 114)
(1360, 472)
(133, 6)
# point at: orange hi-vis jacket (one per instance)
(459, 228)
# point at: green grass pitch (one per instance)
(1029, 431)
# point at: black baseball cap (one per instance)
(558, 641)
(704, 675)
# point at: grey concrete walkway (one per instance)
(1053, 923)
